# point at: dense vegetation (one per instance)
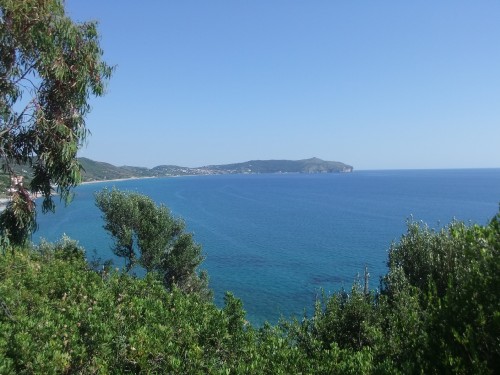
(437, 311)
(99, 171)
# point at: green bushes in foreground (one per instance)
(438, 311)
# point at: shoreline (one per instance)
(5, 200)
(142, 178)
(115, 179)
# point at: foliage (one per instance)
(456, 273)
(49, 68)
(18, 219)
(437, 312)
(58, 316)
(149, 236)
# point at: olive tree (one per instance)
(442, 291)
(49, 68)
(149, 236)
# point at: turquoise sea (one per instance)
(277, 240)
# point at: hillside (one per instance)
(97, 170)
(313, 165)
(103, 171)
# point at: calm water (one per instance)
(276, 240)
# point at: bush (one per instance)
(437, 312)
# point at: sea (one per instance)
(279, 241)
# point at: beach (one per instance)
(3, 203)
(116, 179)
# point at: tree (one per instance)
(49, 68)
(147, 235)
(450, 277)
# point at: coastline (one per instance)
(115, 179)
(5, 201)
(139, 178)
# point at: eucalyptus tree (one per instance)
(49, 68)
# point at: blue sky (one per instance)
(375, 84)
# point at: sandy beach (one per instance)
(112, 180)
(3, 203)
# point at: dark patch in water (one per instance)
(238, 261)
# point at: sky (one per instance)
(374, 84)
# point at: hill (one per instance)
(93, 170)
(313, 165)
(97, 170)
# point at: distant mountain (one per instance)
(98, 170)
(313, 165)
(95, 171)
